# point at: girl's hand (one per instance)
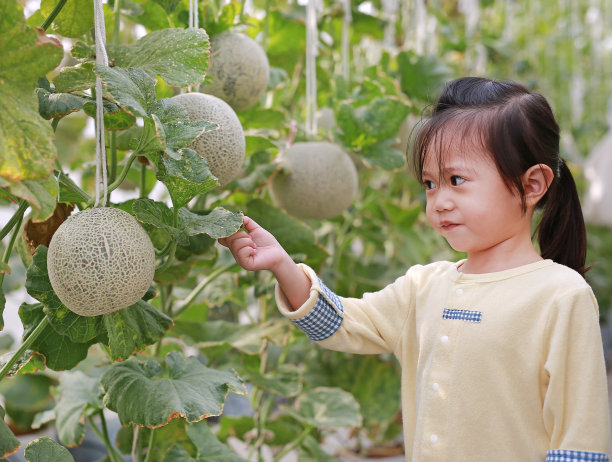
(255, 248)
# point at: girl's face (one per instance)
(470, 205)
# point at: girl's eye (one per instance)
(428, 184)
(456, 180)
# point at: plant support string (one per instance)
(101, 59)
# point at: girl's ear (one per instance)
(536, 181)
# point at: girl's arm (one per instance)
(257, 249)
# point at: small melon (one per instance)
(321, 181)
(223, 149)
(239, 69)
(100, 260)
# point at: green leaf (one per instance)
(59, 351)
(256, 117)
(8, 442)
(75, 19)
(255, 144)
(246, 338)
(367, 378)
(158, 214)
(422, 77)
(114, 117)
(133, 328)
(40, 194)
(28, 363)
(383, 155)
(327, 408)
(218, 223)
(283, 381)
(75, 78)
(27, 53)
(293, 235)
(150, 394)
(314, 451)
(132, 89)
(46, 450)
(76, 391)
(366, 125)
(52, 105)
(79, 329)
(27, 150)
(209, 448)
(186, 177)
(179, 56)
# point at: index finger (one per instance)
(249, 224)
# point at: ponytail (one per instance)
(561, 232)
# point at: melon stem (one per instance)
(23, 205)
(42, 325)
(121, 177)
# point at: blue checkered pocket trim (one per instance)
(325, 318)
(565, 455)
(462, 315)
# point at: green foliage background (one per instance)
(206, 327)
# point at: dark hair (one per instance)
(519, 129)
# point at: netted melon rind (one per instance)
(223, 149)
(239, 69)
(99, 261)
(322, 181)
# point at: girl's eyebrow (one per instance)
(449, 169)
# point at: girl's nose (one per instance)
(443, 201)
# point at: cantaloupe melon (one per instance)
(239, 69)
(223, 149)
(100, 260)
(321, 181)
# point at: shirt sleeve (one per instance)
(575, 407)
(369, 325)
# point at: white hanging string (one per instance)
(346, 25)
(101, 59)
(193, 24)
(193, 14)
(311, 71)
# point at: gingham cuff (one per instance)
(321, 315)
(565, 455)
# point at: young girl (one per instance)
(501, 352)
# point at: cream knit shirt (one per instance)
(504, 367)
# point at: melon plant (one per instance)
(223, 149)
(100, 260)
(320, 180)
(239, 69)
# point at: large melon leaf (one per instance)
(8, 442)
(179, 56)
(74, 20)
(209, 448)
(26, 139)
(46, 450)
(150, 394)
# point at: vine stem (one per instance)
(25, 346)
(150, 449)
(194, 293)
(103, 436)
(9, 247)
(122, 176)
(294, 444)
(17, 216)
(54, 14)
